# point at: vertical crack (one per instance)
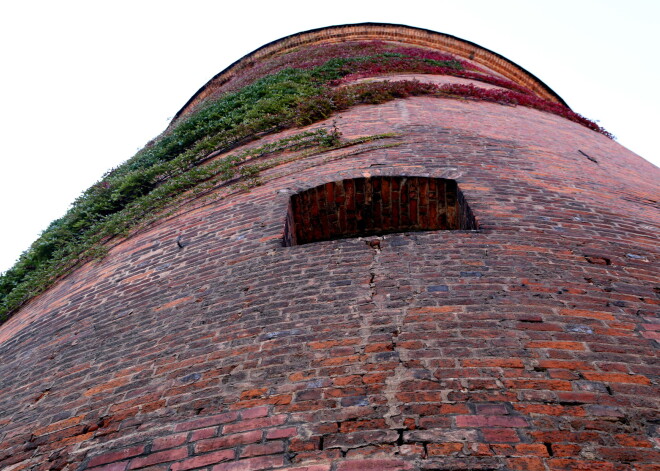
(548, 446)
(375, 260)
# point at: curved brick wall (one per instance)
(528, 344)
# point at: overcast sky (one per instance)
(84, 84)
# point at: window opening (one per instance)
(363, 207)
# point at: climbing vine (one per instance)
(292, 90)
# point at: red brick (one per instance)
(160, 457)
(539, 384)
(207, 421)
(435, 449)
(550, 409)
(280, 399)
(252, 393)
(170, 441)
(252, 424)
(500, 435)
(115, 383)
(565, 464)
(374, 465)
(120, 466)
(346, 380)
(490, 421)
(300, 445)
(312, 467)
(619, 454)
(566, 364)
(254, 413)
(203, 433)
(269, 448)
(585, 313)
(411, 450)
(491, 409)
(535, 449)
(559, 345)
(333, 343)
(276, 433)
(228, 441)
(61, 425)
(174, 303)
(204, 460)
(251, 464)
(528, 463)
(493, 363)
(616, 378)
(561, 449)
(632, 440)
(116, 456)
(378, 347)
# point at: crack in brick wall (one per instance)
(428, 350)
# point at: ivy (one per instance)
(292, 90)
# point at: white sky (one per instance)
(84, 84)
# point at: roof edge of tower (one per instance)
(378, 31)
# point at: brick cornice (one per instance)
(380, 32)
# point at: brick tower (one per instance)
(364, 247)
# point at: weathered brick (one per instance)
(565, 464)
(559, 345)
(500, 435)
(228, 441)
(616, 378)
(118, 466)
(251, 464)
(269, 448)
(61, 425)
(204, 460)
(550, 409)
(207, 421)
(444, 448)
(254, 413)
(526, 344)
(633, 440)
(252, 424)
(620, 454)
(490, 421)
(536, 449)
(312, 467)
(251, 394)
(528, 463)
(493, 363)
(375, 465)
(560, 449)
(170, 441)
(491, 409)
(203, 433)
(586, 313)
(118, 455)
(276, 433)
(159, 457)
(109, 385)
(556, 385)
